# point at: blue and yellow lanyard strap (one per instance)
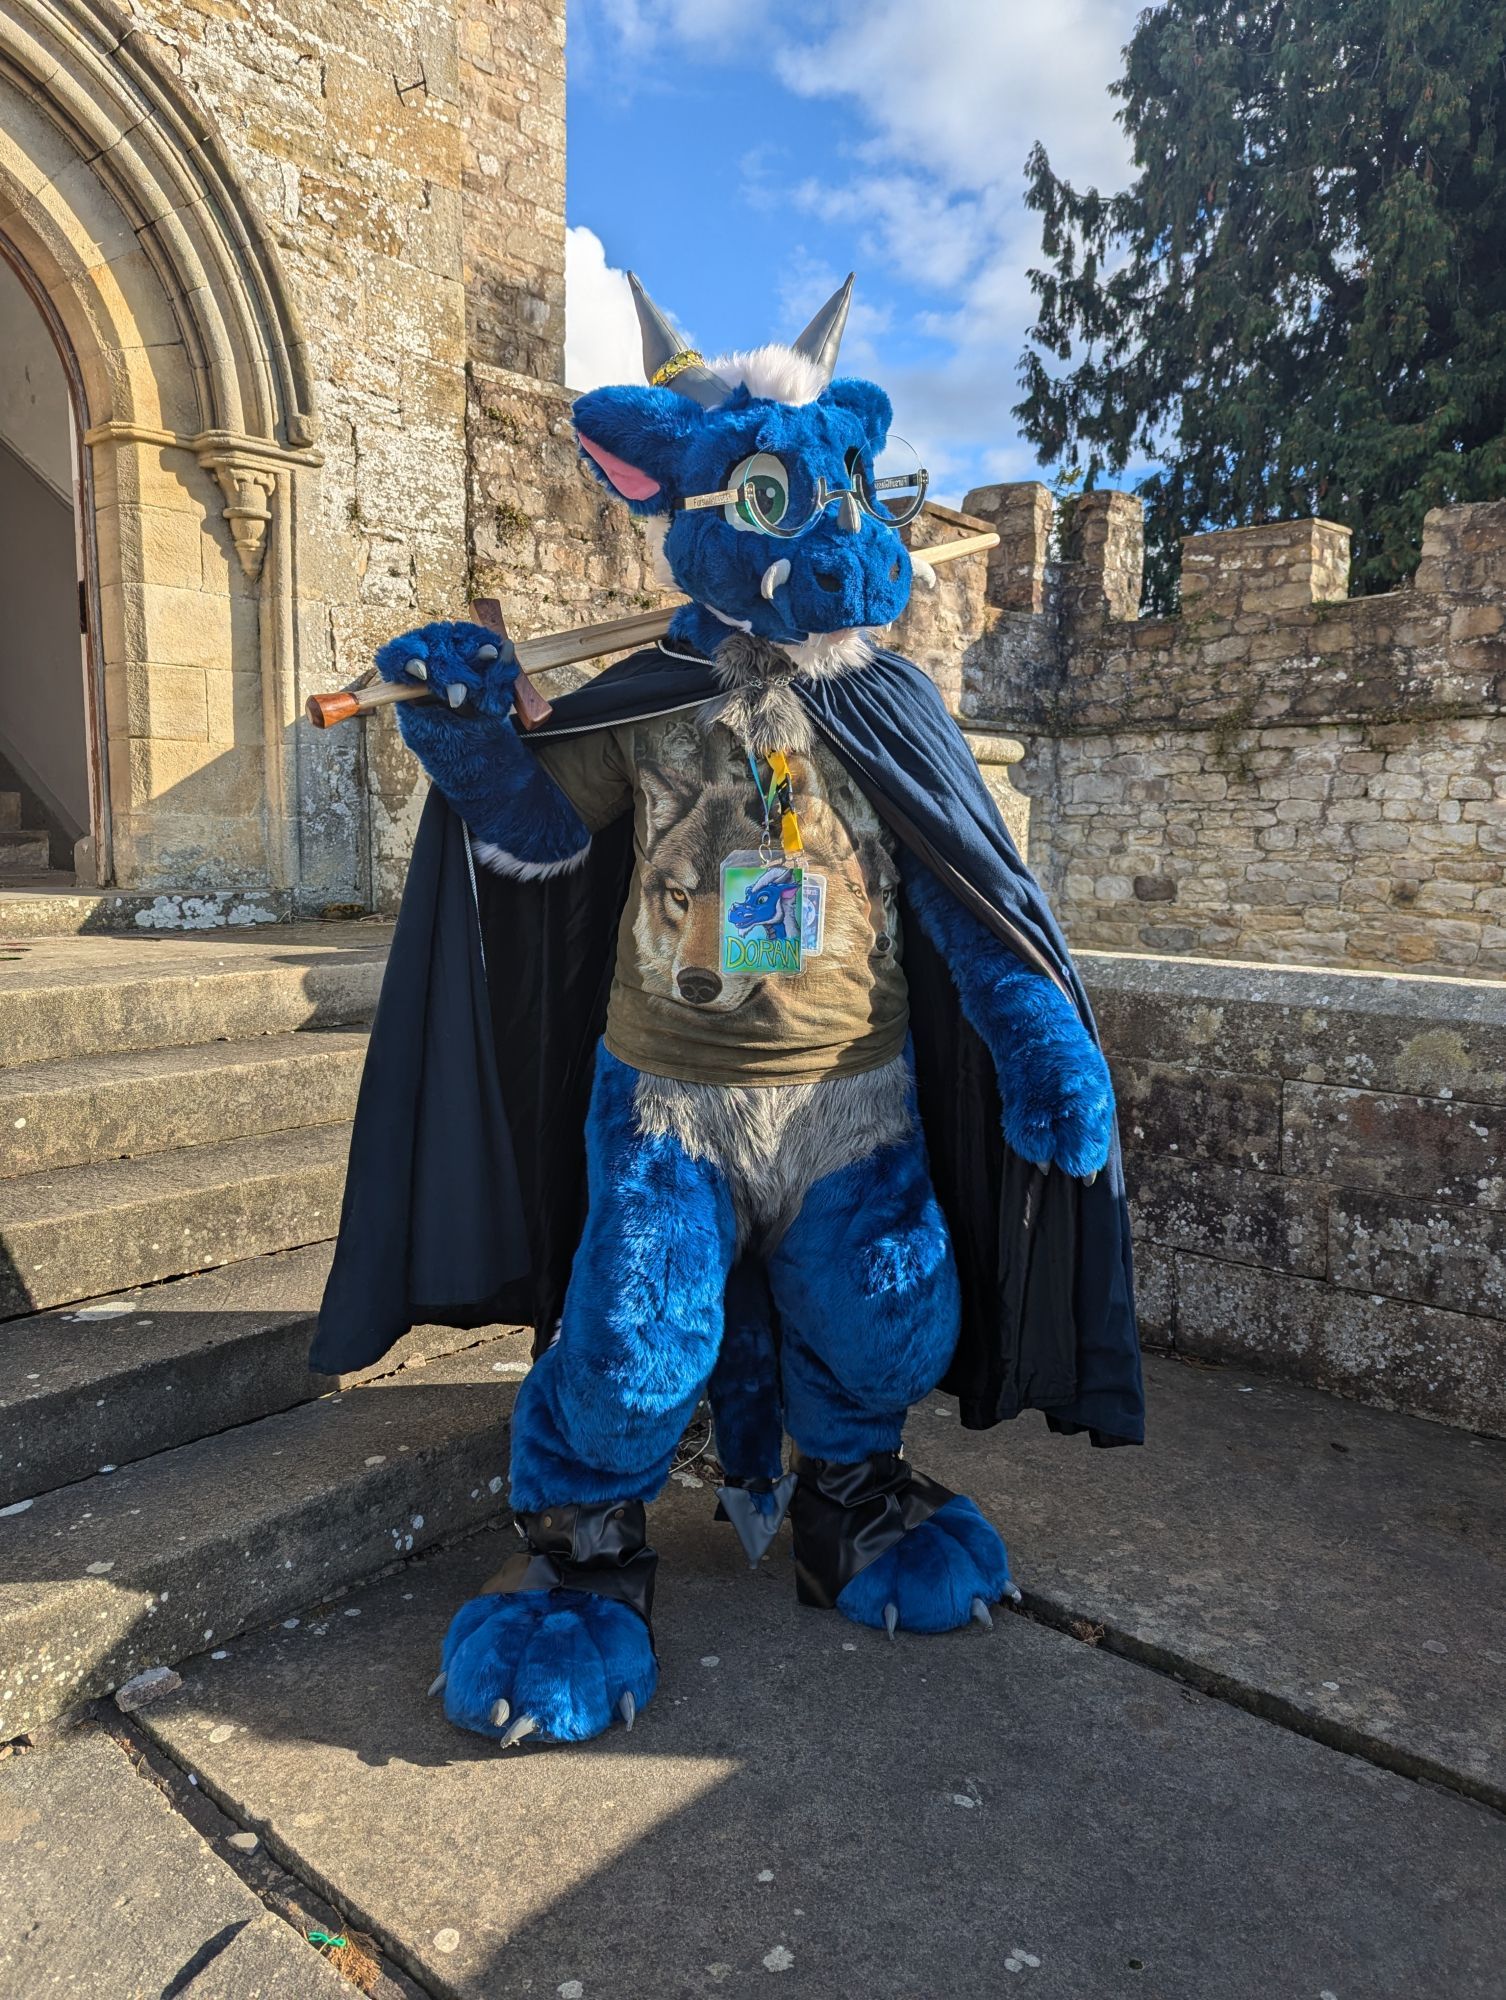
(780, 798)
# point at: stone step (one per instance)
(183, 1551)
(127, 1377)
(89, 1108)
(83, 1231)
(24, 851)
(82, 996)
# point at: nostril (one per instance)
(698, 984)
(894, 571)
(827, 579)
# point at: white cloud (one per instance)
(943, 106)
(601, 327)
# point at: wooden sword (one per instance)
(556, 649)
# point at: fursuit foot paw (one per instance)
(944, 1573)
(560, 1664)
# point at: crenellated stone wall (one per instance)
(1279, 773)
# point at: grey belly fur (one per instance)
(774, 1141)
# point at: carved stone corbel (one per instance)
(248, 484)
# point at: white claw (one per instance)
(485, 655)
(922, 572)
(891, 1618)
(456, 693)
(627, 1708)
(436, 1686)
(776, 574)
(982, 1614)
(524, 1726)
(1013, 1592)
(500, 1712)
(417, 670)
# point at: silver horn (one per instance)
(668, 362)
(822, 339)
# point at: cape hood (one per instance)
(466, 1189)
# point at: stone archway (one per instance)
(118, 206)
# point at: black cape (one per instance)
(466, 1190)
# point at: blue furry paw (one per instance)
(562, 1664)
(935, 1577)
(1059, 1103)
(462, 664)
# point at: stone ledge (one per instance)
(1376, 1031)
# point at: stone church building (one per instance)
(250, 260)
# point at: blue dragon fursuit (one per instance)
(841, 1124)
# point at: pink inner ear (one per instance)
(629, 481)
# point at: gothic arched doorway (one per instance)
(125, 229)
(54, 815)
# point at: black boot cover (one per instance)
(846, 1516)
(602, 1549)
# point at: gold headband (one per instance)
(676, 365)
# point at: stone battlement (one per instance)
(1280, 772)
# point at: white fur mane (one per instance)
(823, 655)
(775, 371)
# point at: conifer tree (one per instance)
(1299, 305)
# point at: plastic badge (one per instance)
(763, 925)
(812, 914)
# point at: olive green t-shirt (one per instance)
(688, 999)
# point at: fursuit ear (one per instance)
(867, 402)
(632, 439)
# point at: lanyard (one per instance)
(781, 797)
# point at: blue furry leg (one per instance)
(869, 1305)
(744, 1388)
(596, 1423)
(600, 1413)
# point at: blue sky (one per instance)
(742, 159)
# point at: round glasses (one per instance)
(761, 497)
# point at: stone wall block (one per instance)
(1434, 1038)
(1463, 549)
(1106, 556)
(1021, 516)
(1394, 1354)
(1250, 1218)
(1440, 1149)
(1279, 566)
(1208, 1116)
(1430, 1251)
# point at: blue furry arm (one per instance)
(1058, 1101)
(521, 823)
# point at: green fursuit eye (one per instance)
(769, 500)
(762, 486)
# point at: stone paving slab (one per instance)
(1340, 1567)
(808, 1803)
(110, 1895)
